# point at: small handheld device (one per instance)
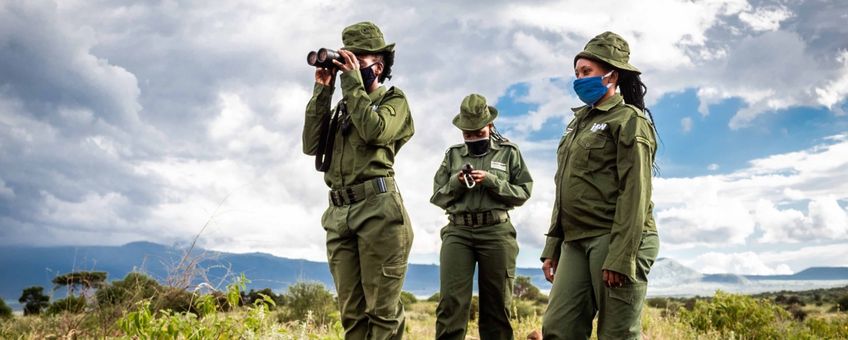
(466, 173)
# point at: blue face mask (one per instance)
(591, 89)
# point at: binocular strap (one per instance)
(329, 127)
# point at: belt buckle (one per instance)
(381, 184)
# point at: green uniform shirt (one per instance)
(507, 183)
(603, 182)
(381, 125)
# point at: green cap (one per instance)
(365, 37)
(474, 114)
(610, 48)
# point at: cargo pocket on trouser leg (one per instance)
(388, 296)
(509, 288)
(622, 311)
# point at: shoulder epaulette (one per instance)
(508, 143)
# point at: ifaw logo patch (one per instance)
(599, 127)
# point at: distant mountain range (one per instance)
(21, 267)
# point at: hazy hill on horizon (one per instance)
(24, 266)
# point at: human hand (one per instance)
(614, 279)
(325, 76)
(351, 63)
(549, 267)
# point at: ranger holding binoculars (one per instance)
(478, 182)
(369, 234)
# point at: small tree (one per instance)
(34, 300)
(525, 290)
(87, 280)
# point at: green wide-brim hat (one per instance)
(474, 113)
(365, 37)
(610, 48)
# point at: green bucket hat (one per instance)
(610, 48)
(365, 37)
(474, 114)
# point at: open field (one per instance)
(140, 308)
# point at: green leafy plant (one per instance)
(737, 315)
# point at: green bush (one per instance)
(738, 316)
(133, 288)
(407, 298)
(435, 297)
(659, 303)
(5, 310)
(174, 299)
(818, 328)
(257, 295)
(71, 304)
(248, 322)
(308, 299)
(842, 303)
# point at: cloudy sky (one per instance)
(124, 120)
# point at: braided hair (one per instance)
(633, 90)
(497, 134)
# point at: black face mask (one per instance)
(478, 147)
(368, 76)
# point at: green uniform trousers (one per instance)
(368, 246)
(494, 249)
(579, 293)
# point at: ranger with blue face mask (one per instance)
(602, 240)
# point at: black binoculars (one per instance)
(467, 169)
(324, 58)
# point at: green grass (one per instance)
(225, 315)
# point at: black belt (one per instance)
(480, 218)
(358, 192)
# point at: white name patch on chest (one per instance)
(499, 166)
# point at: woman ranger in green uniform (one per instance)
(477, 183)
(602, 235)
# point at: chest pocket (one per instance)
(589, 151)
